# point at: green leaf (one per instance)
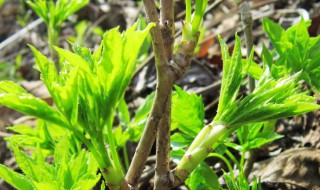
(176, 155)
(140, 119)
(145, 47)
(15, 97)
(74, 170)
(54, 14)
(30, 167)
(275, 33)
(83, 170)
(298, 51)
(187, 112)
(44, 134)
(254, 70)
(15, 179)
(179, 141)
(203, 178)
(144, 109)
(47, 185)
(47, 69)
(238, 183)
(232, 76)
(263, 139)
(123, 112)
(272, 99)
(121, 137)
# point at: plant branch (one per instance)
(165, 82)
(167, 26)
(247, 21)
(163, 133)
(166, 75)
(198, 150)
(162, 181)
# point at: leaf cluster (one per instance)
(45, 135)
(54, 13)
(187, 118)
(253, 136)
(70, 171)
(86, 93)
(272, 98)
(297, 52)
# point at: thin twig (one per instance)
(143, 64)
(4, 134)
(20, 33)
(247, 21)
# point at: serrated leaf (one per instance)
(15, 179)
(233, 74)
(276, 35)
(88, 182)
(272, 99)
(30, 167)
(297, 51)
(263, 139)
(187, 112)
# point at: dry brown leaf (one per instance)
(295, 166)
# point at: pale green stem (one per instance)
(113, 149)
(233, 158)
(53, 36)
(91, 148)
(200, 148)
(225, 160)
(197, 17)
(242, 159)
(188, 11)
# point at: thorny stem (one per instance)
(246, 18)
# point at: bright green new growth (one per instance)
(71, 170)
(272, 99)
(45, 135)
(193, 22)
(297, 52)
(187, 112)
(86, 92)
(54, 14)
